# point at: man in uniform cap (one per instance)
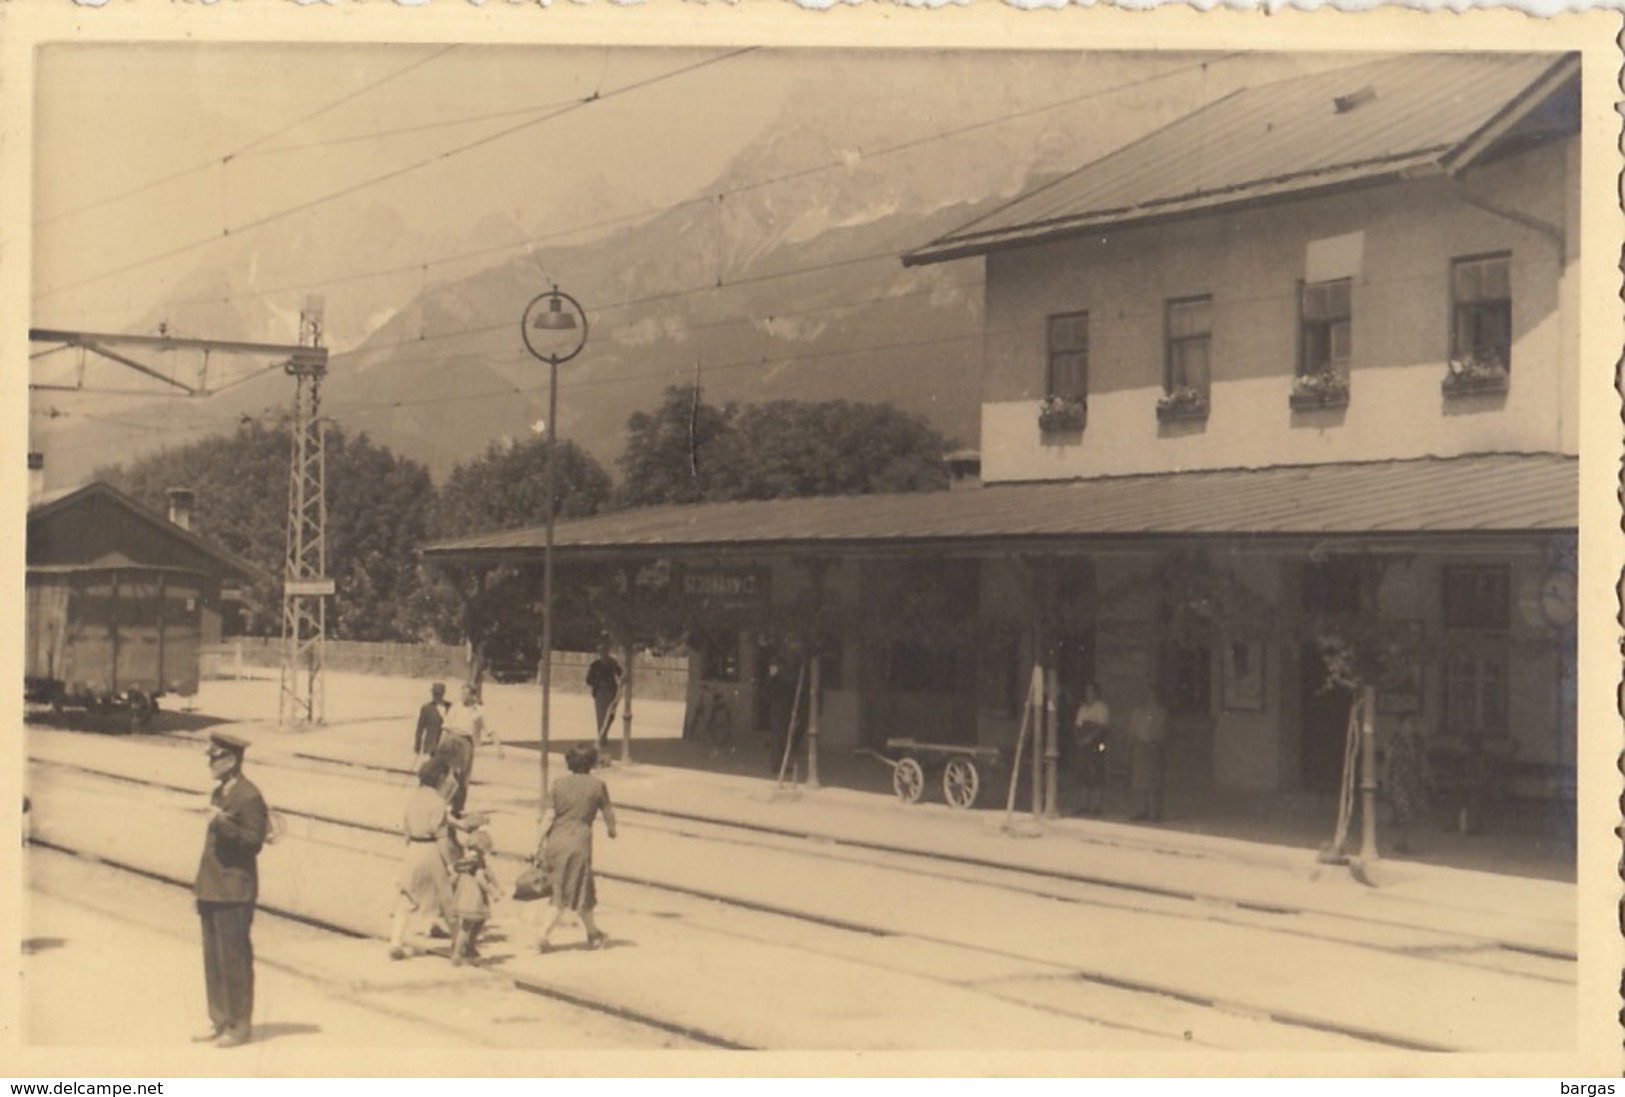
(226, 889)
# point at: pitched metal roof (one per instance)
(1382, 119)
(44, 506)
(1496, 493)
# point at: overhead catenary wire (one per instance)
(242, 150)
(736, 364)
(355, 188)
(709, 197)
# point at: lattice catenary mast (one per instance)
(306, 586)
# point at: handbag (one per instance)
(535, 882)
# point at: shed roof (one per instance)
(47, 506)
(1486, 494)
(1418, 113)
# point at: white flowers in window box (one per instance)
(1320, 389)
(1182, 402)
(1476, 374)
(1061, 414)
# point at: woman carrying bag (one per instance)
(565, 852)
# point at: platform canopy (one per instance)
(1405, 502)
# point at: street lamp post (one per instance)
(554, 329)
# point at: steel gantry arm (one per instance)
(102, 342)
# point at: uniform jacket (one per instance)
(604, 676)
(229, 869)
(431, 718)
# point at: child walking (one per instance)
(472, 894)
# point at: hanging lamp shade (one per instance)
(554, 318)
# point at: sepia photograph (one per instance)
(1068, 551)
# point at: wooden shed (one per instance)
(120, 599)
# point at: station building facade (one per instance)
(1309, 356)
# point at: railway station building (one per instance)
(1299, 370)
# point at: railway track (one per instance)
(1087, 889)
(1192, 1008)
(687, 1035)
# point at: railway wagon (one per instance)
(109, 636)
(119, 601)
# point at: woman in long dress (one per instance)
(574, 802)
(425, 880)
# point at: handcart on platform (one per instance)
(960, 768)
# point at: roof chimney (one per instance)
(964, 469)
(36, 475)
(180, 506)
(1342, 104)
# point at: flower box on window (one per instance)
(1322, 389)
(1475, 376)
(1061, 415)
(1181, 402)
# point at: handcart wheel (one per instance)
(960, 782)
(908, 780)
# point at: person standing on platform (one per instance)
(604, 680)
(781, 713)
(226, 890)
(1090, 728)
(1148, 730)
(431, 718)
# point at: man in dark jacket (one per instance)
(431, 718)
(226, 889)
(604, 680)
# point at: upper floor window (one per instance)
(1190, 334)
(1326, 328)
(1068, 373)
(1481, 312)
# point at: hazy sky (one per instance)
(168, 172)
(212, 186)
(155, 160)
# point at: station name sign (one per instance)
(726, 588)
(309, 588)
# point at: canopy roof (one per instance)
(1485, 494)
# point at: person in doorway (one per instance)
(425, 881)
(573, 803)
(431, 718)
(604, 681)
(1406, 779)
(1148, 731)
(226, 888)
(1089, 736)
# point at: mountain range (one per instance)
(785, 282)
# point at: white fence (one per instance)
(657, 677)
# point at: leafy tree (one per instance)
(377, 507)
(495, 610)
(506, 488)
(688, 451)
(835, 448)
